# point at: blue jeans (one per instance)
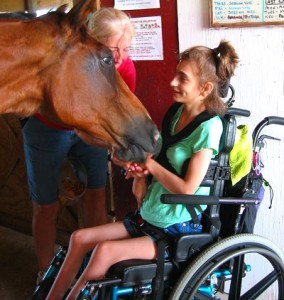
(134, 225)
(184, 227)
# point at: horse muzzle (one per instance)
(139, 145)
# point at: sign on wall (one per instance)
(240, 13)
(136, 4)
(147, 43)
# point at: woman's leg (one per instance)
(82, 241)
(107, 253)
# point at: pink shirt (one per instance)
(128, 73)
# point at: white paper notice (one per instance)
(147, 43)
(136, 4)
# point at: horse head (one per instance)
(53, 66)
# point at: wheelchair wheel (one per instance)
(222, 271)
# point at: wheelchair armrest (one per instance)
(189, 199)
(206, 200)
(238, 201)
(189, 245)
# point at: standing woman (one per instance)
(199, 75)
(47, 144)
(114, 29)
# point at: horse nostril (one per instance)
(156, 135)
(156, 140)
(157, 147)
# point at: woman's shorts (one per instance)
(45, 150)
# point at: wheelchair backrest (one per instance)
(218, 173)
(186, 246)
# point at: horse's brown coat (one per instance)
(53, 66)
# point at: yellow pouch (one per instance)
(240, 158)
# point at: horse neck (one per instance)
(26, 50)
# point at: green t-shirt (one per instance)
(206, 135)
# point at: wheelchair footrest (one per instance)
(138, 271)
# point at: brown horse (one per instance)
(51, 65)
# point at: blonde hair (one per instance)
(107, 22)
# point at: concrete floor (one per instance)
(18, 267)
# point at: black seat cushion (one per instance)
(138, 271)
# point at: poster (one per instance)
(147, 43)
(246, 13)
(136, 4)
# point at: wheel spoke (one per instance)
(261, 286)
(237, 275)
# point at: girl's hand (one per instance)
(136, 170)
(139, 169)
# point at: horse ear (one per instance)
(63, 8)
(78, 15)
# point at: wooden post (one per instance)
(31, 6)
(97, 3)
(12, 6)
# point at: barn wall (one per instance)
(259, 84)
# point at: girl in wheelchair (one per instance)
(191, 134)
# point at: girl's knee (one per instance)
(103, 248)
(77, 238)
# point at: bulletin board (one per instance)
(241, 13)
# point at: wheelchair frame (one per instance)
(203, 265)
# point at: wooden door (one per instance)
(153, 87)
(15, 207)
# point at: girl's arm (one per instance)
(139, 189)
(196, 171)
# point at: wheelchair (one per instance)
(213, 264)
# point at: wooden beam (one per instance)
(11, 6)
(97, 4)
(31, 6)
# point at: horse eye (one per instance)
(108, 60)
